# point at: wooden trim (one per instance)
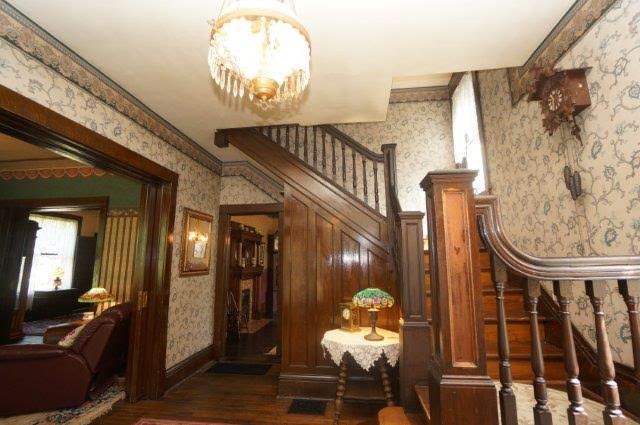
(29, 121)
(485, 161)
(453, 82)
(55, 204)
(222, 265)
(552, 268)
(419, 94)
(189, 367)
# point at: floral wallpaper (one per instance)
(190, 307)
(526, 164)
(238, 190)
(422, 132)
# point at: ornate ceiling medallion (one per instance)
(260, 47)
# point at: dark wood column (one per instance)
(415, 344)
(460, 391)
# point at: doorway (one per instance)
(32, 123)
(248, 313)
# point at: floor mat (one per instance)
(240, 368)
(301, 406)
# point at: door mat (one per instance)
(240, 368)
(302, 406)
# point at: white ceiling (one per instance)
(157, 50)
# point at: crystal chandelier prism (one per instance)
(261, 48)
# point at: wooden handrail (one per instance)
(349, 141)
(551, 268)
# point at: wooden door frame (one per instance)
(34, 123)
(222, 265)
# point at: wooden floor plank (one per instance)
(232, 399)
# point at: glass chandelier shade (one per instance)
(260, 47)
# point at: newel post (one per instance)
(415, 344)
(460, 391)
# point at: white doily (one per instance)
(336, 342)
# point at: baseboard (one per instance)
(364, 388)
(189, 366)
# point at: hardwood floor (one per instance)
(233, 399)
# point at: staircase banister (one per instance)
(548, 268)
(349, 141)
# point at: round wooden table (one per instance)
(366, 354)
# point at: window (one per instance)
(467, 143)
(54, 253)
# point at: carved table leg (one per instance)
(342, 387)
(386, 382)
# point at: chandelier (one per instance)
(260, 47)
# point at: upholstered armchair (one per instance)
(39, 377)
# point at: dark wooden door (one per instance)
(17, 240)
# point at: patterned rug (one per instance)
(37, 327)
(82, 415)
(557, 402)
(148, 421)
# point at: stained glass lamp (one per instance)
(373, 299)
(96, 296)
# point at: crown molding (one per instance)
(50, 173)
(28, 37)
(567, 32)
(419, 94)
(260, 179)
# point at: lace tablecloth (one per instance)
(336, 342)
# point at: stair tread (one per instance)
(521, 350)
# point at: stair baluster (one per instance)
(297, 145)
(306, 145)
(541, 412)
(333, 157)
(630, 291)
(596, 290)
(575, 412)
(364, 179)
(508, 407)
(315, 147)
(344, 167)
(354, 172)
(286, 143)
(324, 152)
(278, 141)
(376, 193)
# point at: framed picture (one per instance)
(196, 243)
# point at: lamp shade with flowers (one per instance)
(373, 299)
(95, 296)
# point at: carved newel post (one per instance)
(460, 391)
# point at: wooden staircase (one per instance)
(519, 329)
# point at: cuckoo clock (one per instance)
(562, 96)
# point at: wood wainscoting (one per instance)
(325, 262)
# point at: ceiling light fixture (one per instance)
(260, 47)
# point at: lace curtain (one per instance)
(55, 248)
(467, 147)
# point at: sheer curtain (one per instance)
(55, 248)
(467, 146)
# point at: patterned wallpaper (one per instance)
(422, 132)
(526, 164)
(238, 190)
(190, 311)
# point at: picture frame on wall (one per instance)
(196, 243)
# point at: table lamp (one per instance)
(58, 272)
(96, 296)
(373, 299)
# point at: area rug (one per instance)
(557, 403)
(255, 325)
(37, 327)
(82, 415)
(149, 421)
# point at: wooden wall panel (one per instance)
(326, 262)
